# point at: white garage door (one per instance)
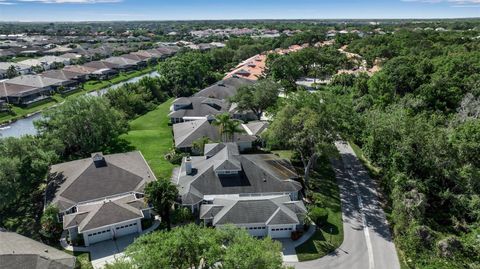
(122, 230)
(257, 231)
(99, 236)
(281, 232)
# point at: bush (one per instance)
(318, 215)
(181, 215)
(449, 246)
(174, 156)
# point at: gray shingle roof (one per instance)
(268, 210)
(198, 107)
(36, 81)
(186, 133)
(61, 74)
(7, 89)
(82, 181)
(256, 127)
(224, 89)
(260, 173)
(103, 213)
(20, 252)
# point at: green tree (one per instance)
(257, 97)
(162, 195)
(198, 145)
(309, 124)
(51, 227)
(222, 121)
(84, 125)
(193, 246)
(12, 72)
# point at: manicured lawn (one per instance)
(330, 236)
(151, 135)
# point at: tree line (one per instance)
(417, 121)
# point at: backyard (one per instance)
(152, 135)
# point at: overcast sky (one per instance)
(95, 10)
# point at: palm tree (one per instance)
(222, 121)
(233, 127)
(161, 194)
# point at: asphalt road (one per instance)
(367, 241)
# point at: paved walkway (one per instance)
(288, 245)
(367, 242)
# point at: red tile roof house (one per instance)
(101, 198)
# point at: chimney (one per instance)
(98, 159)
(188, 165)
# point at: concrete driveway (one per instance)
(288, 250)
(107, 251)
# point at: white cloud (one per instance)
(5, 2)
(71, 1)
(454, 3)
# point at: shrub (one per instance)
(181, 215)
(449, 246)
(318, 215)
(174, 156)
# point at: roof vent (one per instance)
(99, 160)
(188, 166)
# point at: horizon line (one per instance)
(245, 19)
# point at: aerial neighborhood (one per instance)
(238, 144)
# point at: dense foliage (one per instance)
(417, 121)
(83, 125)
(193, 246)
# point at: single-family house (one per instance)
(21, 94)
(20, 252)
(81, 69)
(46, 62)
(224, 172)
(122, 64)
(186, 133)
(256, 128)
(194, 108)
(276, 216)
(72, 79)
(103, 70)
(28, 89)
(224, 89)
(101, 197)
(21, 69)
(141, 60)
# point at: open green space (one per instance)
(152, 135)
(330, 236)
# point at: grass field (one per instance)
(151, 135)
(330, 236)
